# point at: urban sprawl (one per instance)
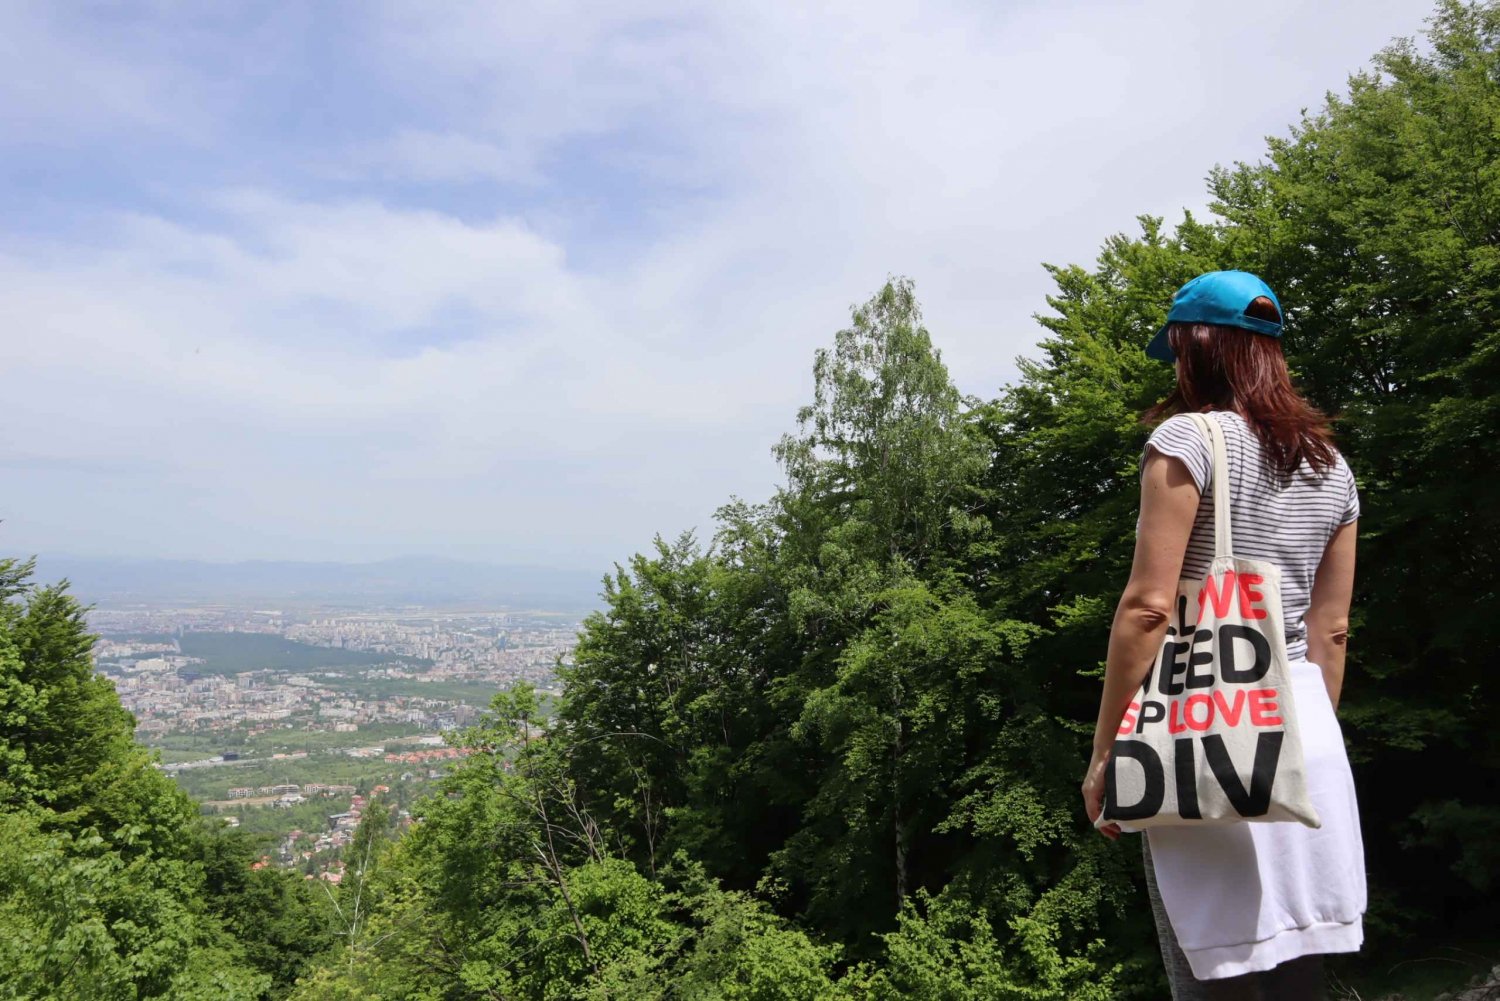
(328, 712)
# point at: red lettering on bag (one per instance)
(1249, 596)
(1174, 723)
(1128, 722)
(1262, 706)
(1219, 595)
(1208, 715)
(1230, 713)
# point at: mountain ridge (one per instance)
(421, 580)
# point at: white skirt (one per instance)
(1247, 897)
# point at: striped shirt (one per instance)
(1285, 521)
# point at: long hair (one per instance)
(1229, 368)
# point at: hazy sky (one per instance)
(355, 280)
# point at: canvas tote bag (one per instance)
(1212, 736)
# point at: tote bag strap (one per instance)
(1223, 543)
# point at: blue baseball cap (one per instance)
(1218, 297)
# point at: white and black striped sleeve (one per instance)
(1351, 494)
(1180, 438)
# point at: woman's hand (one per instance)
(1093, 794)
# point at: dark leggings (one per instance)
(1295, 980)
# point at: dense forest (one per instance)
(834, 750)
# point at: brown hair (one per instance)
(1230, 368)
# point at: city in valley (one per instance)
(293, 725)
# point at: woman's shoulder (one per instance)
(1342, 476)
(1180, 437)
(1182, 426)
(1183, 432)
(1340, 469)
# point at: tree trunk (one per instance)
(902, 832)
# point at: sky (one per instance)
(534, 283)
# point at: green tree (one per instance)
(66, 744)
(101, 877)
(1380, 217)
(882, 444)
(280, 919)
(855, 720)
(828, 663)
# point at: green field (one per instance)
(295, 739)
(215, 782)
(195, 746)
(475, 693)
(172, 755)
(231, 653)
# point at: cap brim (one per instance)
(1160, 348)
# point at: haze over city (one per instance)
(530, 286)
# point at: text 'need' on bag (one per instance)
(1212, 736)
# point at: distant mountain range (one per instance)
(415, 580)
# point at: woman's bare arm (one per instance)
(1327, 618)
(1169, 503)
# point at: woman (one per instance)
(1245, 910)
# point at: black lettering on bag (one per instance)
(1171, 650)
(1156, 782)
(1229, 632)
(1151, 712)
(1202, 654)
(1172, 666)
(1184, 627)
(1187, 779)
(1256, 801)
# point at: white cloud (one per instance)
(50, 75)
(442, 156)
(688, 203)
(256, 361)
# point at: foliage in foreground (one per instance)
(509, 888)
(110, 887)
